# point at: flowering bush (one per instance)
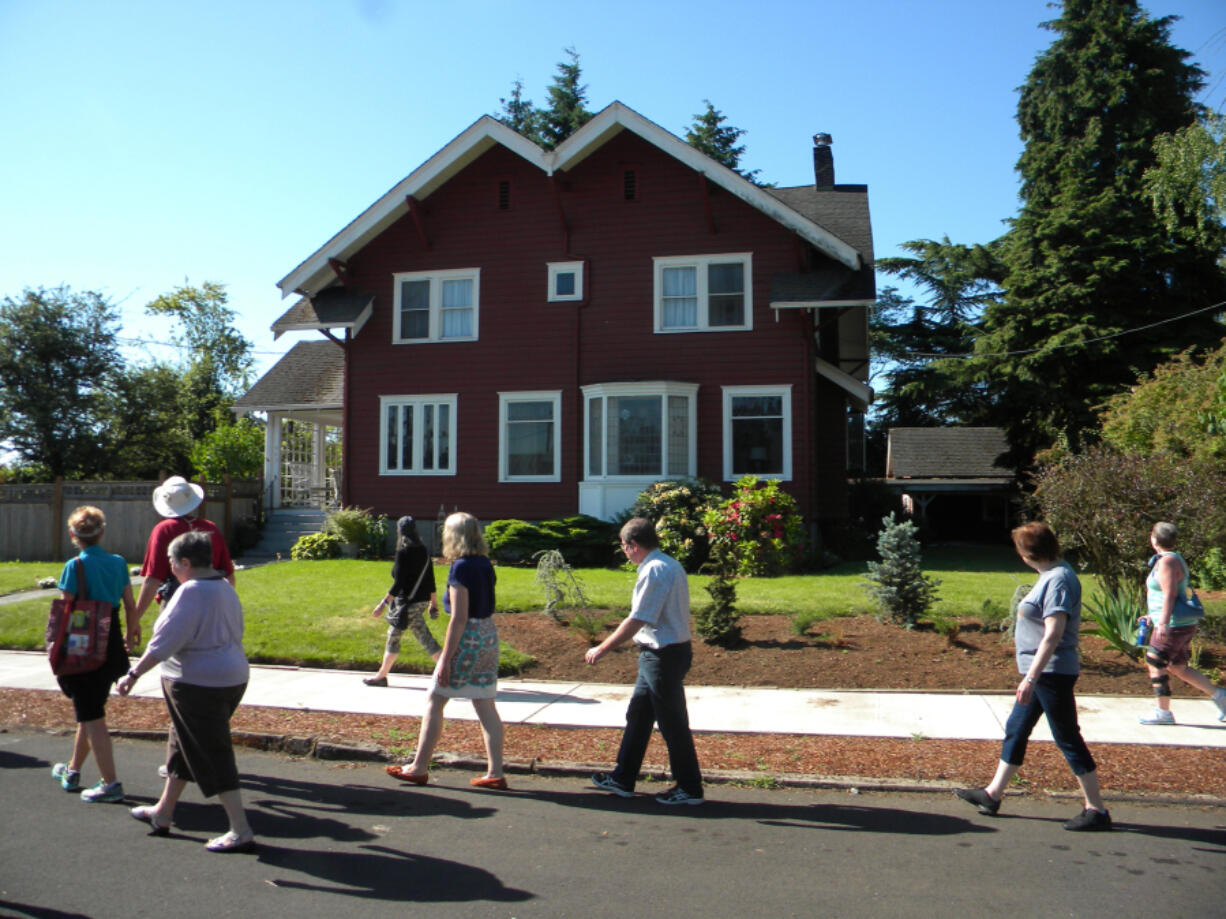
(758, 527)
(677, 507)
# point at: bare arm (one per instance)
(1053, 631)
(455, 628)
(628, 628)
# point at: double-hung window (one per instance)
(757, 431)
(704, 293)
(417, 435)
(640, 430)
(530, 441)
(436, 305)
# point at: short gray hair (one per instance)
(195, 546)
(1164, 534)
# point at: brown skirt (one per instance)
(199, 748)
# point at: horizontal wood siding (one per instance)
(527, 343)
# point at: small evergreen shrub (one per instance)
(760, 528)
(584, 541)
(717, 624)
(1209, 571)
(677, 507)
(316, 547)
(897, 583)
(358, 527)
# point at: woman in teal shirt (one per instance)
(107, 579)
(1169, 638)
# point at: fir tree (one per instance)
(898, 583)
(717, 140)
(1087, 261)
(518, 113)
(567, 111)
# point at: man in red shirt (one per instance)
(175, 499)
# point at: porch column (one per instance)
(272, 461)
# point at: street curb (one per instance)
(310, 747)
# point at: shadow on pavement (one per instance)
(26, 911)
(383, 873)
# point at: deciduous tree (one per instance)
(58, 357)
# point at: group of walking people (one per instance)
(197, 642)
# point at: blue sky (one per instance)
(146, 143)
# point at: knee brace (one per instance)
(1162, 685)
(1157, 658)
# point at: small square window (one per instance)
(565, 281)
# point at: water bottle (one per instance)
(1142, 631)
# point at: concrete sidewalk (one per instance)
(956, 716)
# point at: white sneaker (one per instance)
(1160, 716)
(1219, 699)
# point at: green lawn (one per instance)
(18, 576)
(318, 613)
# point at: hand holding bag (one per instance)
(78, 631)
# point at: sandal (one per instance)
(232, 842)
(489, 781)
(398, 773)
(149, 815)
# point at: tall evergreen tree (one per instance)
(717, 140)
(1087, 261)
(519, 114)
(567, 111)
(921, 344)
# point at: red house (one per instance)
(530, 333)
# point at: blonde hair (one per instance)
(86, 525)
(462, 536)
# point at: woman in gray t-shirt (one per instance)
(1048, 623)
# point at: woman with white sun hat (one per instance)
(175, 499)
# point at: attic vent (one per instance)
(630, 185)
(504, 195)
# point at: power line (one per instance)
(180, 347)
(1071, 344)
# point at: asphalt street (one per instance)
(343, 840)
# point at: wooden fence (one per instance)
(34, 518)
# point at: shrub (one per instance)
(236, 450)
(897, 583)
(760, 528)
(1209, 571)
(584, 541)
(1103, 504)
(676, 507)
(316, 547)
(562, 589)
(1113, 615)
(247, 531)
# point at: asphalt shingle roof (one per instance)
(946, 453)
(311, 373)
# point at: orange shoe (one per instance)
(398, 773)
(489, 781)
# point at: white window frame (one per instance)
(435, 333)
(700, 264)
(417, 402)
(664, 389)
(783, 391)
(553, 270)
(505, 399)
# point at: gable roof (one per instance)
(309, 375)
(946, 453)
(315, 272)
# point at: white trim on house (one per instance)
(553, 271)
(505, 399)
(417, 460)
(700, 263)
(784, 473)
(861, 393)
(315, 273)
(435, 322)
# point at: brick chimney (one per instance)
(823, 162)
